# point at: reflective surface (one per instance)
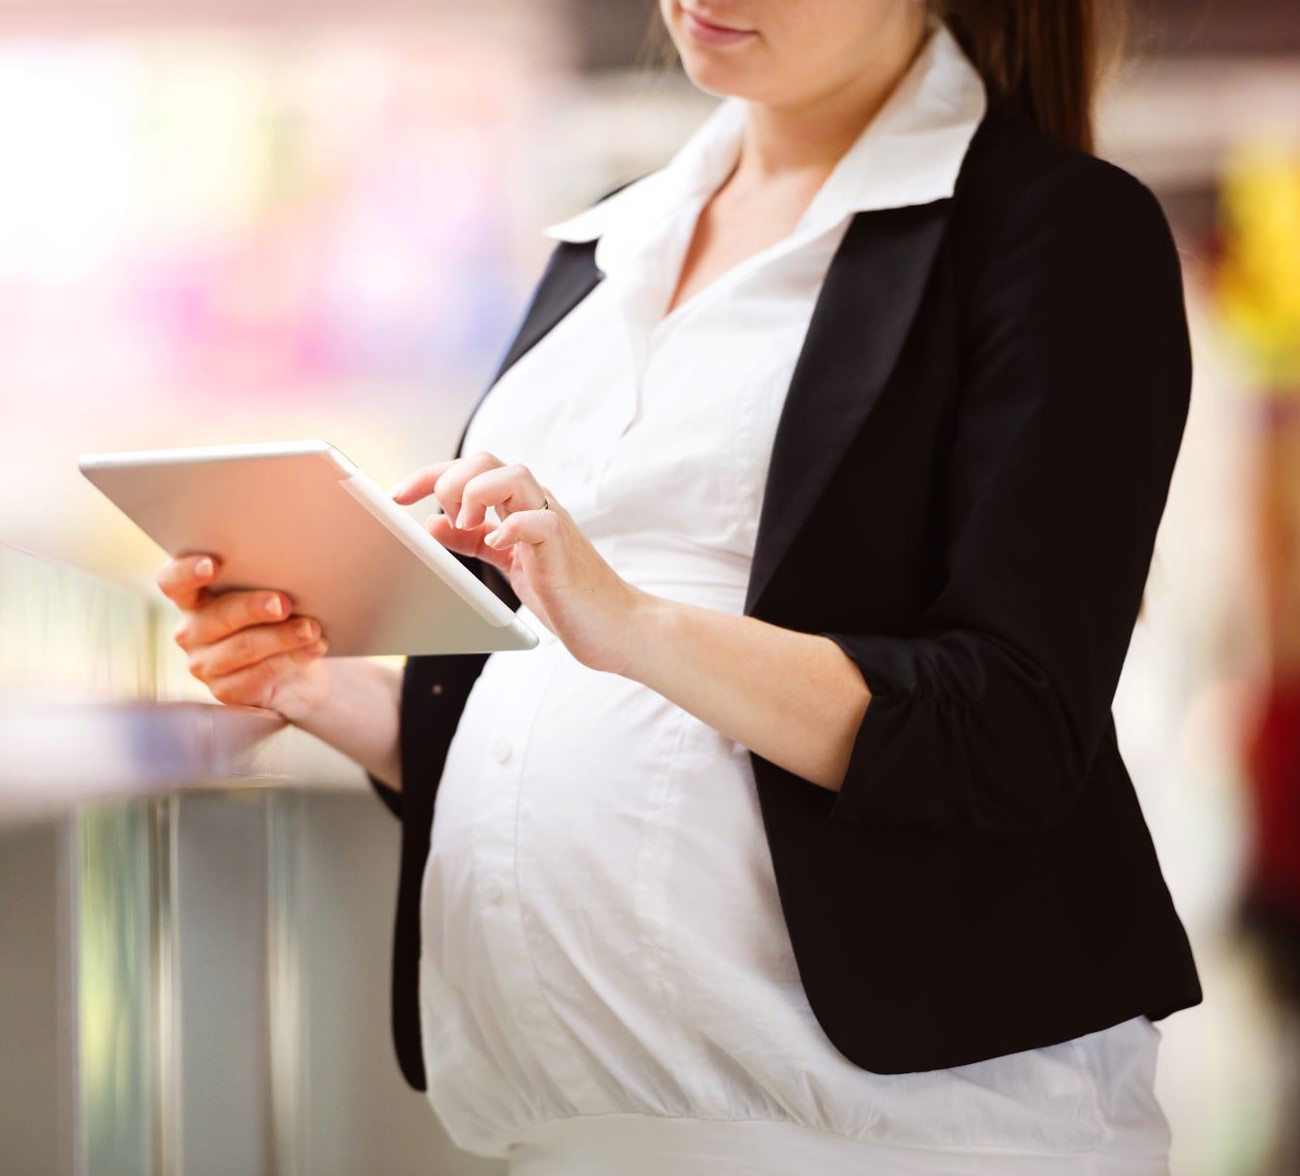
(115, 981)
(66, 635)
(195, 910)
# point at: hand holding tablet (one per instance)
(248, 647)
(301, 519)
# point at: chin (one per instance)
(723, 79)
(715, 82)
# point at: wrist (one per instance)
(647, 622)
(307, 705)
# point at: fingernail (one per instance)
(203, 567)
(460, 520)
(322, 645)
(396, 488)
(306, 628)
(274, 607)
(492, 537)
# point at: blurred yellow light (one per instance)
(1258, 283)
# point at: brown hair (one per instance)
(1046, 58)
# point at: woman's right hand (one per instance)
(245, 645)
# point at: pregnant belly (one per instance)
(582, 789)
(598, 854)
(559, 774)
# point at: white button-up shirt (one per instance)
(602, 940)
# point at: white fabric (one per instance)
(604, 953)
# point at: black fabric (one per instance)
(964, 491)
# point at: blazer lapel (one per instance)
(569, 276)
(861, 318)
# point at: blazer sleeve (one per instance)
(1075, 393)
(424, 726)
(390, 796)
(417, 718)
(414, 718)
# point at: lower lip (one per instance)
(708, 34)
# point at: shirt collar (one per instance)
(909, 153)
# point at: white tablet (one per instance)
(299, 517)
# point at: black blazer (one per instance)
(964, 490)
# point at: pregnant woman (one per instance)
(827, 463)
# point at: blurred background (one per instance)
(254, 220)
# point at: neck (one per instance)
(808, 137)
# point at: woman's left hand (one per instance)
(551, 565)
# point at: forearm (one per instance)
(360, 715)
(793, 698)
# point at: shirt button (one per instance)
(501, 749)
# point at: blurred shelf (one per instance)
(57, 756)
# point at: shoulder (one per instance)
(1018, 182)
(1056, 245)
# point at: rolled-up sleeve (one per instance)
(419, 750)
(1076, 388)
(434, 688)
(390, 796)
